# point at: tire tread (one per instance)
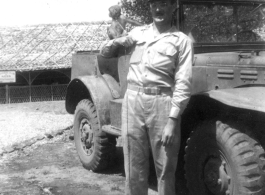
(246, 153)
(103, 146)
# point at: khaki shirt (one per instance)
(162, 61)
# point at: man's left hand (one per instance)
(170, 132)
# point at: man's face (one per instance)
(162, 11)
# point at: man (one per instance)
(118, 23)
(159, 85)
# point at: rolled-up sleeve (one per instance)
(183, 79)
(109, 49)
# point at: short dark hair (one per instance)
(115, 11)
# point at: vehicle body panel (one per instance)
(86, 63)
(98, 91)
(251, 98)
(215, 71)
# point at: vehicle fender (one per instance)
(251, 98)
(113, 86)
(96, 89)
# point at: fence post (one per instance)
(7, 95)
(52, 92)
(30, 93)
(29, 87)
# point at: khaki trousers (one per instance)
(143, 119)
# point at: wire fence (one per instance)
(38, 93)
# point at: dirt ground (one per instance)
(51, 166)
(20, 122)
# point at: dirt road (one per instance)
(52, 168)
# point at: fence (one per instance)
(19, 94)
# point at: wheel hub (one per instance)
(216, 177)
(87, 135)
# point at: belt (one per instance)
(150, 90)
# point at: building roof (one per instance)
(48, 46)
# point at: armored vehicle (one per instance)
(223, 126)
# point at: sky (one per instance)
(28, 12)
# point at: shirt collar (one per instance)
(148, 34)
(172, 31)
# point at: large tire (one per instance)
(221, 160)
(95, 149)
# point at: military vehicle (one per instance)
(223, 126)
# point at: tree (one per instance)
(210, 22)
(137, 10)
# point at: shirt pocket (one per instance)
(137, 53)
(165, 53)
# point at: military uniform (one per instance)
(159, 86)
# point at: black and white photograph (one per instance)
(132, 97)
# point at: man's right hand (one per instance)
(126, 41)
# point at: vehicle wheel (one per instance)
(95, 150)
(221, 160)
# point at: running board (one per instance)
(111, 130)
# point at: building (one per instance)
(39, 57)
